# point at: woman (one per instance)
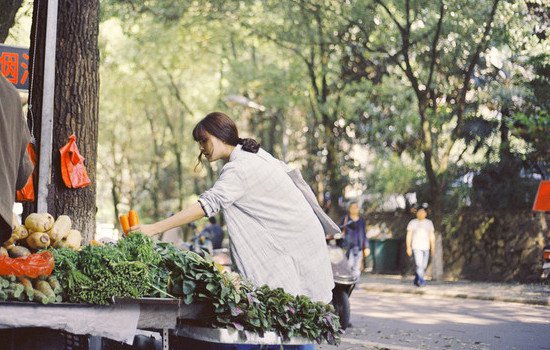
(276, 238)
(353, 228)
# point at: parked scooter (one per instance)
(546, 264)
(343, 279)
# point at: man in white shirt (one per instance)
(420, 241)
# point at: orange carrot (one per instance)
(133, 216)
(125, 223)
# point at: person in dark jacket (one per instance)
(15, 164)
(214, 232)
(353, 228)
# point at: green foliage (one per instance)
(136, 267)
(335, 79)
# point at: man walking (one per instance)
(420, 241)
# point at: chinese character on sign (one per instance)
(14, 65)
(25, 67)
(9, 63)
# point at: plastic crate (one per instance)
(184, 343)
(75, 341)
(41, 339)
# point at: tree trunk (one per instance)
(438, 268)
(7, 17)
(75, 105)
(504, 147)
(116, 199)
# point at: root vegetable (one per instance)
(125, 223)
(60, 228)
(29, 290)
(38, 240)
(41, 297)
(133, 218)
(15, 291)
(3, 251)
(46, 289)
(18, 252)
(54, 283)
(39, 222)
(95, 243)
(73, 240)
(20, 232)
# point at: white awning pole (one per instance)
(48, 94)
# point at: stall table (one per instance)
(121, 320)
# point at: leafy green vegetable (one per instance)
(136, 267)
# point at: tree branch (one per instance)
(461, 101)
(434, 44)
(401, 29)
(177, 92)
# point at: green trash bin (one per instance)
(386, 255)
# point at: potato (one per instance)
(60, 228)
(39, 222)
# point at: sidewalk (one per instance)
(537, 294)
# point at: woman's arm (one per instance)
(187, 215)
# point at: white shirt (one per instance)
(276, 238)
(421, 231)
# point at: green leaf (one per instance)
(188, 287)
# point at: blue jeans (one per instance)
(355, 255)
(421, 258)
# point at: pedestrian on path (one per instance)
(276, 237)
(15, 164)
(355, 238)
(214, 233)
(420, 242)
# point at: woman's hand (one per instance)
(149, 230)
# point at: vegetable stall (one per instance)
(110, 290)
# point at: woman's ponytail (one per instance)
(249, 145)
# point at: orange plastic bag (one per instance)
(73, 171)
(26, 194)
(542, 200)
(34, 265)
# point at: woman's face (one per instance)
(212, 148)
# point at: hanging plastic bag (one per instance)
(26, 194)
(73, 171)
(34, 265)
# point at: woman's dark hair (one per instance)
(221, 126)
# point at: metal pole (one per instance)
(46, 136)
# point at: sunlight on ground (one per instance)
(438, 312)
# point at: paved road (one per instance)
(405, 322)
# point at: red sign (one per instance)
(14, 65)
(542, 202)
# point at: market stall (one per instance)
(113, 290)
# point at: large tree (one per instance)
(75, 102)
